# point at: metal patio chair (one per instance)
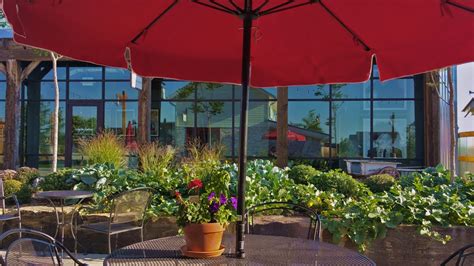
(285, 208)
(40, 250)
(127, 213)
(9, 214)
(463, 256)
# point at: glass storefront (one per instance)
(366, 120)
(92, 98)
(370, 120)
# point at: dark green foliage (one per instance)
(380, 183)
(302, 174)
(58, 180)
(338, 181)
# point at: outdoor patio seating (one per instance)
(127, 214)
(285, 208)
(9, 214)
(463, 256)
(40, 250)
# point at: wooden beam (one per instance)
(282, 127)
(3, 68)
(12, 115)
(28, 69)
(144, 111)
(10, 50)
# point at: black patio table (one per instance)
(259, 250)
(60, 197)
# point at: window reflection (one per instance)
(398, 88)
(85, 73)
(308, 129)
(351, 128)
(308, 92)
(394, 131)
(116, 90)
(121, 117)
(176, 119)
(88, 90)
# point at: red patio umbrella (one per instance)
(291, 135)
(252, 42)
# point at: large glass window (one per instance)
(105, 94)
(325, 122)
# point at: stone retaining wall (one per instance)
(402, 246)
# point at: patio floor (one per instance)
(91, 259)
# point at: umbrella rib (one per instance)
(236, 6)
(236, 12)
(465, 8)
(285, 6)
(359, 40)
(227, 10)
(154, 21)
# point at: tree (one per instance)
(312, 121)
(55, 125)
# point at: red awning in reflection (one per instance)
(292, 136)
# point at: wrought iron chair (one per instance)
(7, 213)
(314, 228)
(41, 250)
(464, 255)
(127, 213)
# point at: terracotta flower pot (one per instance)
(203, 237)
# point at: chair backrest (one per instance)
(40, 250)
(463, 256)
(130, 206)
(30, 251)
(287, 209)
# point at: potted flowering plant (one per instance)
(205, 213)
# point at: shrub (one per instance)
(58, 180)
(380, 183)
(338, 181)
(155, 158)
(201, 159)
(104, 148)
(8, 174)
(24, 195)
(302, 174)
(11, 186)
(26, 174)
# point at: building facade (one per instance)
(326, 124)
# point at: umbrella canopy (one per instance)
(291, 135)
(252, 42)
(330, 41)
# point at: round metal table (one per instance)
(259, 250)
(60, 197)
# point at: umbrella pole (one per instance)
(247, 31)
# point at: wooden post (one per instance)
(144, 111)
(14, 77)
(282, 127)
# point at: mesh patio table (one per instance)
(259, 250)
(57, 199)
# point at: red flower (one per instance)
(177, 194)
(195, 184)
